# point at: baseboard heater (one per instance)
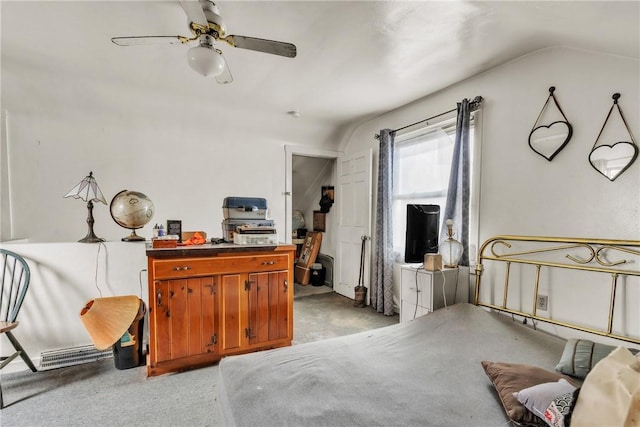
(327, 263)
(72, 356)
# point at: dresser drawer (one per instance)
(193, 267)
(419, 282)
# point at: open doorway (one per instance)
(349, 222)
(311, 179)
(309, 172)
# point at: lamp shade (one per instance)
(87, 190)
(107, 319)
(206, 61)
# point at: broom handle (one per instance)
(361, 276)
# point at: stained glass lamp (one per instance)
(87, 190)
(451, 250)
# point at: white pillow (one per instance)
(538, 398)
(608, 391)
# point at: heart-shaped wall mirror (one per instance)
(548, 138)
(611, 160)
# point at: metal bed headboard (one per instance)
(616, 257)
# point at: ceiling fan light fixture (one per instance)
(206, 61)
(207, 26)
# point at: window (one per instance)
(422, 162)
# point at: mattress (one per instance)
(423, 372)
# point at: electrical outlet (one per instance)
(543, 300)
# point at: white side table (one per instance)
(421, 291)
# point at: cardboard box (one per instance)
(302, 274)
(310, 249)
(164, 243)
(432, 262)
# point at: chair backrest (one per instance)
(15, 276)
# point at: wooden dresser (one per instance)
(210, 301)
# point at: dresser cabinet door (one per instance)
(233, 309)
(255, 309)
(184, 318)
(268, 306)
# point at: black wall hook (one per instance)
(615, 97)
(552, 89)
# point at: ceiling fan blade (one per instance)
(261, 45)
(225, 77)
(141, 40)
(194, 12)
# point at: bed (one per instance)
(458, 365)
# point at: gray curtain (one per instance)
(457, 207)
(381, 285)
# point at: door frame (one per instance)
(300, 150)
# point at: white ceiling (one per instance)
(356, 59)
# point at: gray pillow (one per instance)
(538, 398)
(579, 356)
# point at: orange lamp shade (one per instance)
(107, 319)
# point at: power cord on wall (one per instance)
(444, 293)
(100, 244)
(140, 280)
(415, 310)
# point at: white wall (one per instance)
(522, 193)
(187, 170)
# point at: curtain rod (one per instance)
(473, 105)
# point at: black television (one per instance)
(422, 232)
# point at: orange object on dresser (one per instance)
(196, 239)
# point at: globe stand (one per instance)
(133, 237)
(131, 210)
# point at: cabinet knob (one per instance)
(268, 262)
(184, 268)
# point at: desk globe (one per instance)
(132, 210)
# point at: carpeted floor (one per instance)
(304, 290)
(98, 394)
(328, 315)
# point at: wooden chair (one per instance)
(14, 276)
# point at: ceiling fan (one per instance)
(207, 27)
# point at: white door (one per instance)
(354, 221)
